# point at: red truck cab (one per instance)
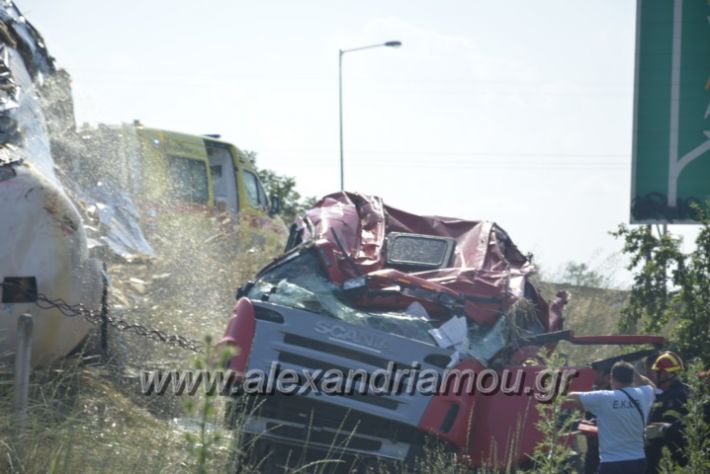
(366, 287)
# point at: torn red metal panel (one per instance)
(487, 269)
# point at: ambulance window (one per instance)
(251, 184)
(263, 200)
(188, 180)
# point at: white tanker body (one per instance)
(43, 244)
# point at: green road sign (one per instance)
(671, 156)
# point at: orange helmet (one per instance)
(668, 362)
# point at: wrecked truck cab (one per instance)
(393, 302)
(369, 288)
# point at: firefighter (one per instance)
(665, 427)
(648, 367)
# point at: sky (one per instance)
(514, 111)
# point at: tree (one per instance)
(284, 188)
(671, 289)
(695, 425)
(579, 274)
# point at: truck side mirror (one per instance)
(275, 205)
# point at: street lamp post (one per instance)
(341, 52)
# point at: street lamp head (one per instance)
(341, 52)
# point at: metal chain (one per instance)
(96, 317)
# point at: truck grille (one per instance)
(296, 421)
(356, 424)
(333, 349)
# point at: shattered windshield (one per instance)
(485, 342)
(301, 283)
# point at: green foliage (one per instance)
(201, 443)
(695, 427)
(551, 456)
(579, 274)
(435, 458)
(657, 262)
(670, 288)
(284, 188)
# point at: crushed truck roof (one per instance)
(474, 262)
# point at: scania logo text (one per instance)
(344, 333)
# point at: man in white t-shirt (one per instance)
(622, 413)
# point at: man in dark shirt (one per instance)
(665, 427)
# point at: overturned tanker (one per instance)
(383, 329)
(44, 249)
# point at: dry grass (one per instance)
(90, 417)
(79, 421)
(189, 288)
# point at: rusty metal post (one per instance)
(23, 367)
